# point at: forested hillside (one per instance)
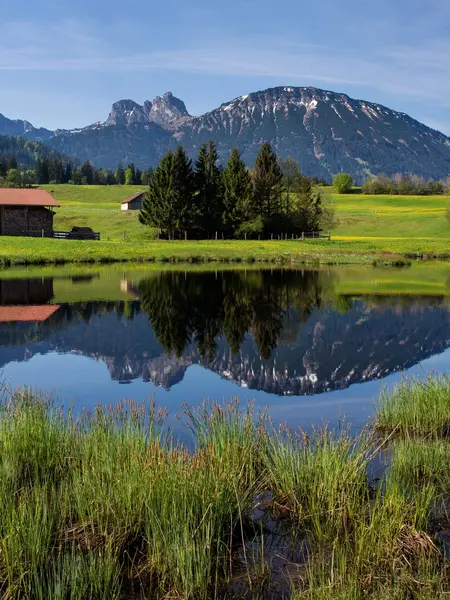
(25, 151)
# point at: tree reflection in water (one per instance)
(200, 307)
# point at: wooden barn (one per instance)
(133, 202)
(26, 212)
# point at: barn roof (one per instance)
(132, 197)
(10, 314)
(26, 197)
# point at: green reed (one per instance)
(109, 506)
(417, 407)
(111, 500)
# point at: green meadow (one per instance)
(413, 217)
(360, 216)
(371, 229)
(98, 207)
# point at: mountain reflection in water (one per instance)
(285, 332)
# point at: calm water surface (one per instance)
(309, 344)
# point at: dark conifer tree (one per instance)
(120, 175)
(208, 184)
(237, 191)
(267, 184)
(184, 190)
(87, 172)
(3, 167)
(12, 162)
(291, 174)
(68, 173)
(156, 208)
(147, 176)
(110, 178)
(42, 171)
(168, 202)
(77, 177)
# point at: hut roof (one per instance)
(132, 197)
(26, 197)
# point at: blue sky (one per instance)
(62, 63)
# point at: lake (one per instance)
(309, 344)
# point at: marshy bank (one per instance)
(110, 506)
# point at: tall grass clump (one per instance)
(109, 505)
(364, 541)
(321, 477)
(416, 407)
(386, 554)
(417, 463)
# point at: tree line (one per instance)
(406, 185)
(57, 170)
(206, 199)
(399, 184)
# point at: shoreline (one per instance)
(366, 251)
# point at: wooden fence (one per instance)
(76, 235)
(221, 236)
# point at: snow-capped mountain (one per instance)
(326, 132)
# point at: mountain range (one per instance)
(326, 132)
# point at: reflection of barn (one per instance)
(129, 288)
(26, 212)
(133, 202)
(24, 300)
(22, 314)
(26, 291)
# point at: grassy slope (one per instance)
(391, 216)
(98, 207)
(359, 216)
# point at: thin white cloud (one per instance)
(420, 71)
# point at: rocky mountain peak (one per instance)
(166, 110)
(126, 112)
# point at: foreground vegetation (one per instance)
(108, 505)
